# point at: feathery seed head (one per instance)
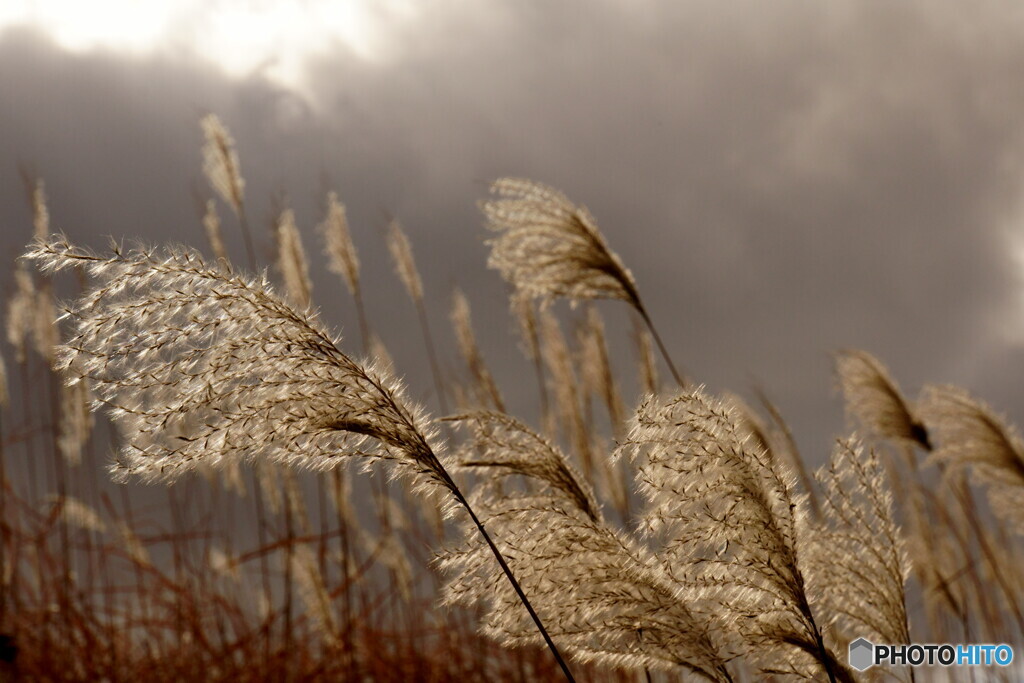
(78, 514)
(600, 595)
(486, 388)
(198, 365)
(40, 212)
(220, 162)
(648, 366)
(873, 397)
(596, 369)
(291, 260)
(728, 519)
(549, 248)
(76, 419)
(341, 252)
(526, 319)
(970, 433)
(502, 442)
(20, 311)
(405, 265)
(857, 564)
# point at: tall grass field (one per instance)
(200, 480)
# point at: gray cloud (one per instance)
(783, 180)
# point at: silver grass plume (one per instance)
(31, 315)
(405, 264)
(502, 442)
(341, 252)
(44, 326)
(526, 322)
(598, 380)
(565, 387)
(76, 419)
(40, 212)
(20, 311)
(199, 365)
(646, 365)
(77, 514)
(487, 390)
(752, 424)
(313, 592)
(602, 596)
(858, 564)
(785, 447)
(220, 162)
(549, 248)
(291, 260)
(727, 520)
(45, 333)
(31, 318)
(596, 369)
(971, 435)
(343, 260)
(873, 398)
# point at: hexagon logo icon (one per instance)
(862, 654)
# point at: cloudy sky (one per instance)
(784, 179)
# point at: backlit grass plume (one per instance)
(969, 434)
(603, 596)
(223, 170)
(549, 248)
(220, 162)
(199, 366)
(729, 523)
(874, 399)
(865, 596)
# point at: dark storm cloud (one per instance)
(782, 179)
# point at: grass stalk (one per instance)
(510, 576)
(642, 310)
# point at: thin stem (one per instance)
(823, 655)
(511, 578)
(533, 343)
(261, 535)
(661, 346)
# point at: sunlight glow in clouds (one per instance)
(239, 36)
